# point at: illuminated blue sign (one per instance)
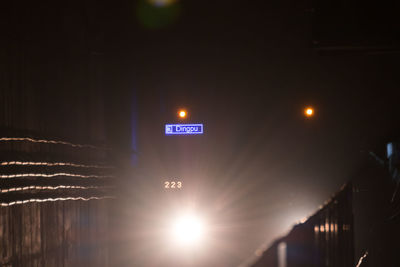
(183, 129)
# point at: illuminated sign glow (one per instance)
(183, 129)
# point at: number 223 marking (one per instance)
(173, 185)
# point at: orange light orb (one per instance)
(309, 112)
(182, 114)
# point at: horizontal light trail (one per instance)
(36, 187)
(19, 202)
(50, 164)
(28, 139)
(9, 176)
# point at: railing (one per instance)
(54, 203)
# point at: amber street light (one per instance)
(309, 112)
(182, 114)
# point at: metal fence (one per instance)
(55, 177)
(325, 239)
(60, 233)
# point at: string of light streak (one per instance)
(36, 187)
(33, 140)
(19, 202)
(8, 176)
(360, 261)
(50, 164)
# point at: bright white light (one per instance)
(187, 230)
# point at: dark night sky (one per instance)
(247, 70)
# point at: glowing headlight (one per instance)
(187, 229)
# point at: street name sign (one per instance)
(183, 129)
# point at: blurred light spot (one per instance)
(259, 252)
(161, 3)
(282, 254)
(157, 14)
(182, 114)
(187, 230)
(303, 220)
(389, 150)
(309, 112)
(360, 261)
